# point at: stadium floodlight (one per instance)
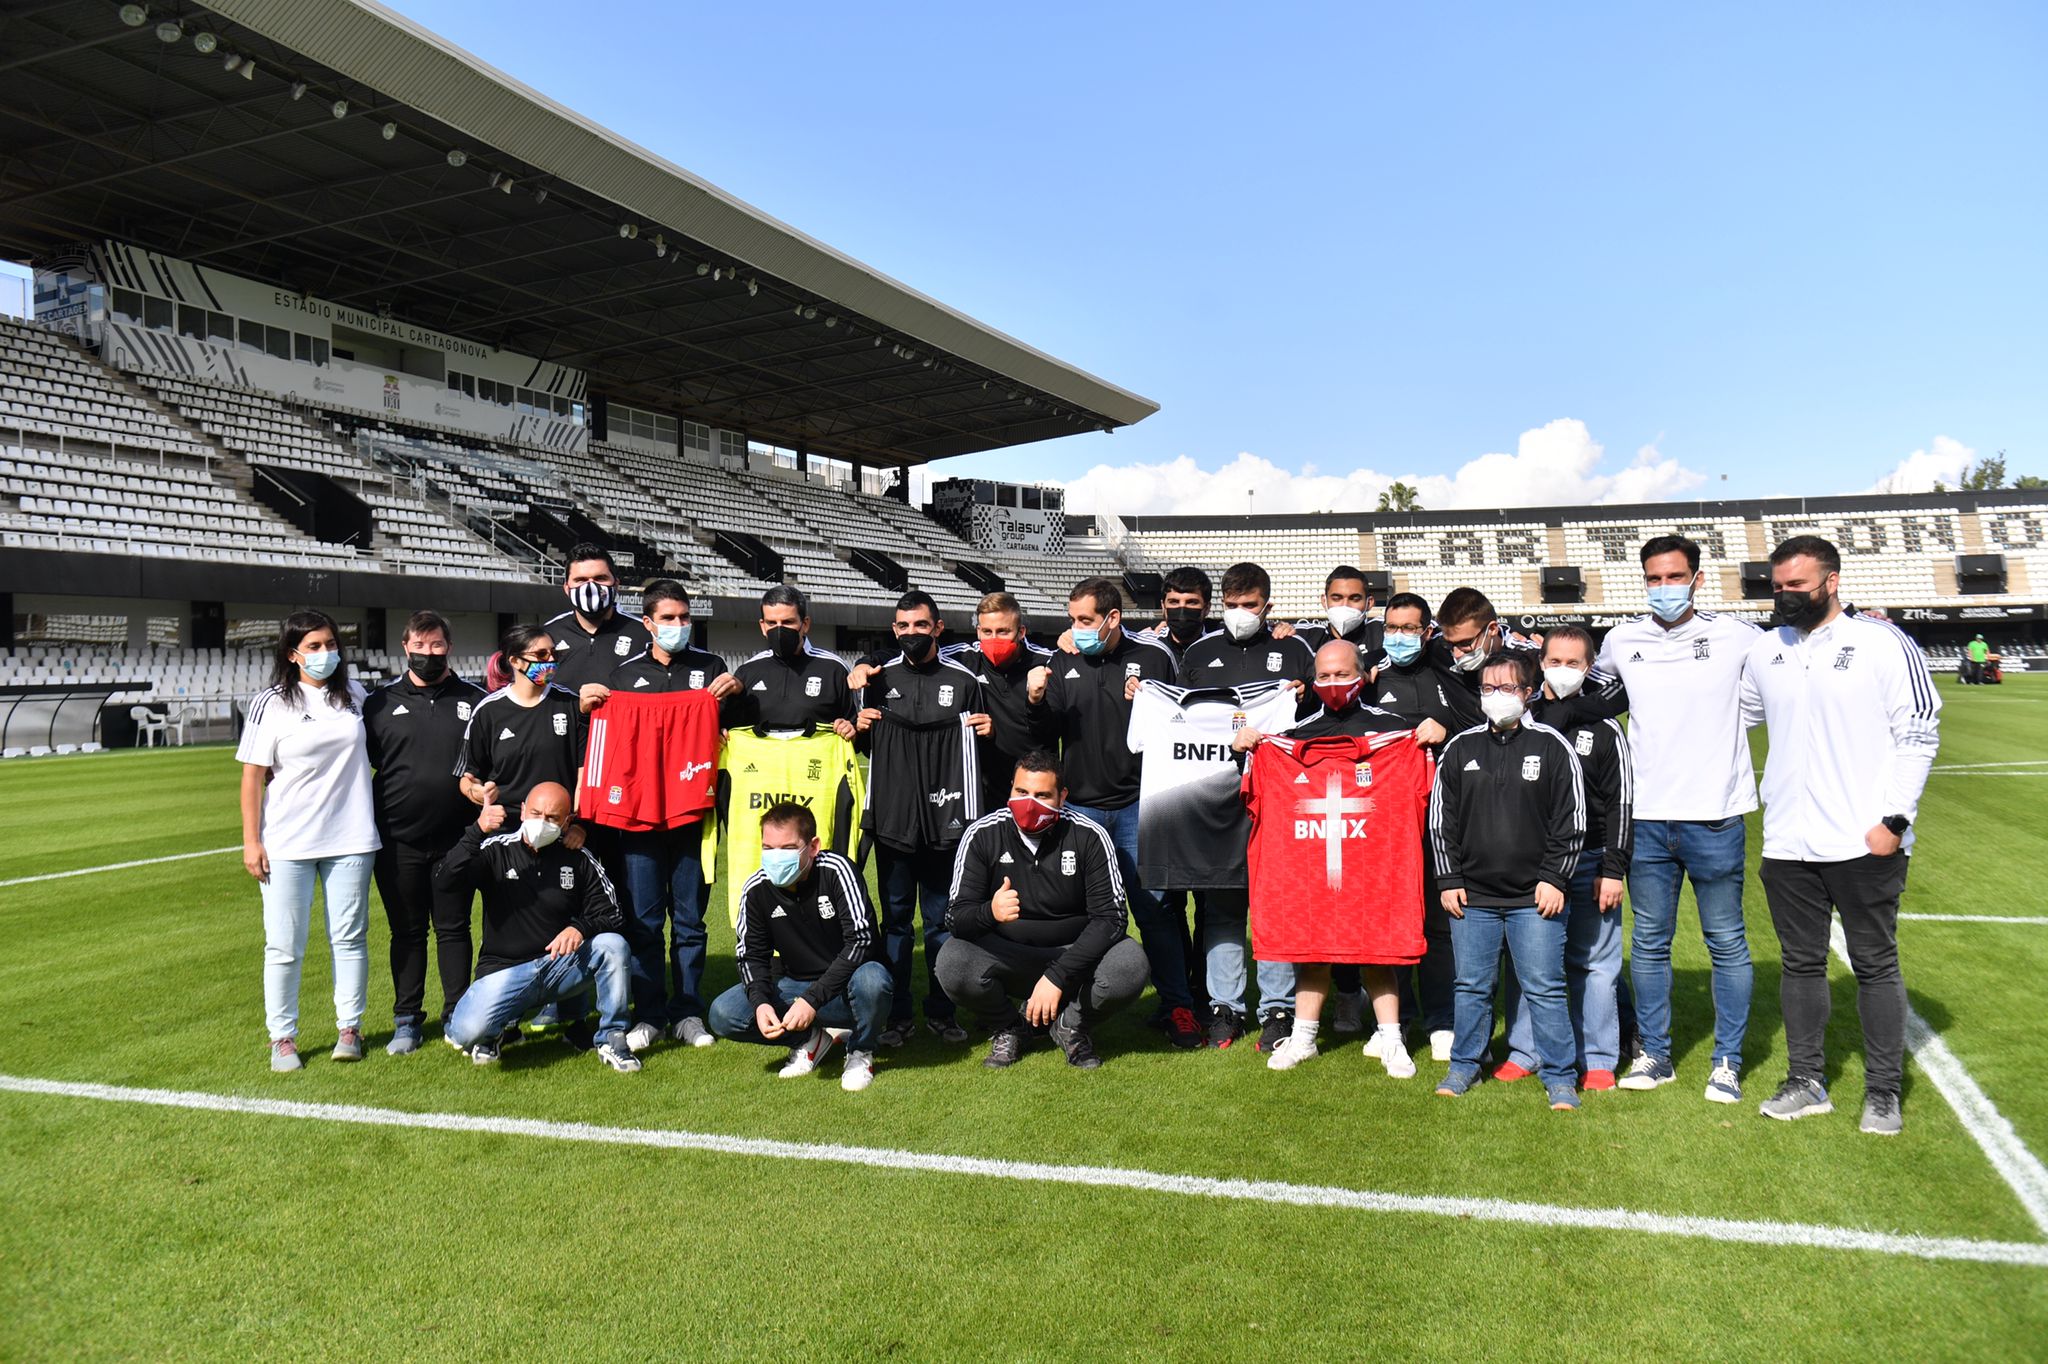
(810, 314)
(540, 196)
(231, 62)
(703, 267)
(505, 185)
(299, 89)
(832, 321)
(205, 43)
(339, 108)
(248, 68)
(753, 287)
(628, 231)
(388, 131)
(878, 341)
(660, 246)
(135, 16)
(169, 31)
(457, 157)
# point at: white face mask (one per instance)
(1241, 623)
(1564, 680)
(1502, 708)
(538, 833)
(1343, 620)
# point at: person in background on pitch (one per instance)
(1693, 785)
(1976, 658)
(809, 908)
(1037, 914)
(792, 684)
(1507, 822)
(551, 932)
(414, 726)
(308, 817)
(666, 886)
(593, 636)
(1854, 725)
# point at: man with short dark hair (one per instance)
(1037, 913)
(1347, 615)
(1184, 597)
(1854, 726)
(792, 683)
(593, 636)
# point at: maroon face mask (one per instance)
(999, 651)
(1337, 695)
(1032, 816)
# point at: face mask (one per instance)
(673, 639)
(916, 648)
(591, 600)
(1403, 649)
(1184, 623)
(999, 651)
(319, 667)
(785, 642)
(1564, 680)
(1669, 601)
(1472, 662)
(1032, 816)
(1799, 610)
(1089, 642)
(1241, 623)
(428, 668)
(538, 673)
(1343, 620)
(1337, 695)
(1502, 708)
(538, 832)
(783, 866)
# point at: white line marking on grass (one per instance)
(1792, 1234)
(2016, 1165)
(118, 866)
(1976, 767)
(1976, 918)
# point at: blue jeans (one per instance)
(287, 917)
(1711, 852)
(861, 1007)
(1537, 946)
(906, 880)
(665, 894)
(495, 1002)
(1592, 970)
(1224, 916)
(1160, 930)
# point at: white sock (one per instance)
(1305, 1028)
(1389, 1032)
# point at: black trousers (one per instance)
(405, 881)
(988, 976)
(1866, 891)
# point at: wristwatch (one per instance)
(1898, 824)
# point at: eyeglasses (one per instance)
(547, 657)
(1504, 689)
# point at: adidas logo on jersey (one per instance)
(1178, 719)
(761, 685)
(1388, 696)
(511, 873)
(1301, 779)
(505, 733)
(893, 695)
(639, 682)
(1073, 672)
(1777, 658)
(400, 710)
(1215, 662)
(1471, 765)
(779, 913)
(1636, 657)
(1007, 858)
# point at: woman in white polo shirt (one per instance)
(307, 817)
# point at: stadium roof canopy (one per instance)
(368, 162)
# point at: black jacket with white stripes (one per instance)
(924, 781)
(1508, 811)
(1084, 710)
(1005, 697)
(1069, 892)
(1609, 769)
(1217, 660)
(823, 928)
(810, 691)
(529, 897)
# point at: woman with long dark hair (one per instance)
(307, 818)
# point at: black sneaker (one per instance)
(1225, 1027)
(1182, 1030)
(1274, 1029)
(511, 1037)
(1075, 1042)
(581, 1035)
(1005, 1048)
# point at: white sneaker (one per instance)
(1440, 1044)
(1372, 1043)
(1347, 1012)
(693, 1032)
(803, 1060)
(1292, 1051)
(858, 1072)
(1724, 1086)
(641, 1036)
(1394, 1056)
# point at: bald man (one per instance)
(552, 930)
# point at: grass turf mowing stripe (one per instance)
(1788, 1234)
(118, 866)
(1975, 918)
(1993, 1131)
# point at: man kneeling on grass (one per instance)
(552, 929)
(810, 908)
(1037, 912)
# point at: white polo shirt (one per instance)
(318, 801)
(1854, 723)
(1685, 714)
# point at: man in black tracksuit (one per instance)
(1348, 616)
(593, 636)
(1037, 913)
(413, 727)
(791, 684)
(1470, 631)
(1002, 657)
(920, 715)
(1507, 822)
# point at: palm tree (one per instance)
(1400, 498)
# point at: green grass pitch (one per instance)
(155, 1233)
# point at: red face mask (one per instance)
(1337, 695)
(998, 650)
(1032, 816)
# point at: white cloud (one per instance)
(1945, 461)
(1558, 464)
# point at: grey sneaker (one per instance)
(1797, 1098)
(1881, 1115)
(614, 1053)
(1457, 1081)
(946, 1029)
(899, 1031)
(1563, 1098)
(1647, 1072)
(349, 1046)
(486, 1053)
(405, 1039)
(284, 1055)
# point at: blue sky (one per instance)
(1788, 245)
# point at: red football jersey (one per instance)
(1336, 850)
(651, 761)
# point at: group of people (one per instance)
(1390, 806)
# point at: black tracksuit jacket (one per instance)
(414, 737)
(1070, 893)
(529, 897)
(1508, 810)
(1603, 754)
(793, 922)
(1085, 712)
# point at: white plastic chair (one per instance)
(149, 726)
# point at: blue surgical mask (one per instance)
(1403, 649)
(1669, 601)
(1089, 642)
(673, 639)
(783, 866)
(319, 667)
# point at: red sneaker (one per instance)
(1599, 1079)
(1508, 1072)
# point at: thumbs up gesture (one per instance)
(1004, 904)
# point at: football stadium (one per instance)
(361, 389)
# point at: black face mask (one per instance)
(1184, 623)
(1800, 610)
(786, 643)
(428, 668)
(916, 648)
